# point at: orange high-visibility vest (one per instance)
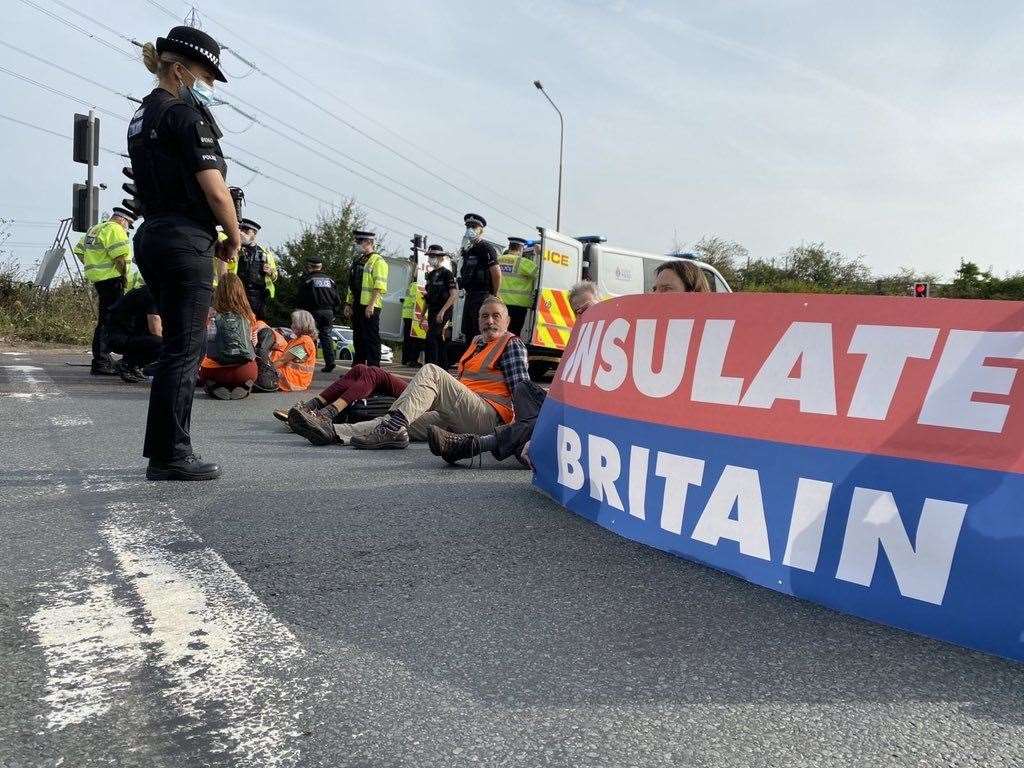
(479, 371)
(296, 375)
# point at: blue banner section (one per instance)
(927, 547)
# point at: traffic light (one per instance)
(81, 217)
(921, 290)
(132, 203)
(81, 151)
(417, 245)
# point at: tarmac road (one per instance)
(329, 607)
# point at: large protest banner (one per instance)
(865, 453)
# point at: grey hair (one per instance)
(303, 323)
(584, 286)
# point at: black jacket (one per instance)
(318, 292)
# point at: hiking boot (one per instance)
(382, 438)
(189, 468)
(452, 447)
(312, 425)
(303, 405)
(267, 376)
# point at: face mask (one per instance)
(434, 263)
(199, 93)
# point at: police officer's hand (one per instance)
(227, 250)
(369, 311)
(347, 311)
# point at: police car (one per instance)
(342, 336)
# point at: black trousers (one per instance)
(324, 321)
(436, 343)
(137, 351)
(411, 346)
(175, 256)
(516, 318)
(258, 301)
(527, 399)
(365, 336)
(108, 291)
(471, 314)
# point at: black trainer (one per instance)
(103, 368)
(189, 468)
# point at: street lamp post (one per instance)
(561, 152)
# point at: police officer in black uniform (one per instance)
(179, 174)
(318, 295)
(253, 268)
(479, 275)
(441, 295)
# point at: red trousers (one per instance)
(363, 381)
(229, 375)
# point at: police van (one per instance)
(567, 260)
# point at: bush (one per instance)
(65, 314)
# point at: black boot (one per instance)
(453, 447)
(189, 468)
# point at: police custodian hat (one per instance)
(195, 45)
(248, 224)
(474, 220)
(124, 213)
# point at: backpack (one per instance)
(233, 340)
(365, 410)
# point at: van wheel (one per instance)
(540, 369)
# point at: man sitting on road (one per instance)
(476, 401)
(509, 439)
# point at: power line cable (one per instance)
(77, 28)
(345, 122)
(125, 119)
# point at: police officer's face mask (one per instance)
(197, 92)
(471, 236)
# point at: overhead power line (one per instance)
(350, 125)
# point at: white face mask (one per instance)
(434, 261)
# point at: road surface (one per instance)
(329, 607)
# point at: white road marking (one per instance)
(36, 384)
(91, 648)
(70, 421)
(219, 645)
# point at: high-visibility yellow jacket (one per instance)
(375, 278)
(271, 279)
(409, 303)
(105, 251)
(517, 277)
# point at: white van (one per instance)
(567, 260)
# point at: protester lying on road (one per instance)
(296, 363)
(508, 439)
(314, 419)
(135, 332)
(476, 401)
(239, 347)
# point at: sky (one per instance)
(886, 130)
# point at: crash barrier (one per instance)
(861, 452)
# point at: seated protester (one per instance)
(314, 419)
(475, 401)
(135, 332)
(239, 347)
(678, 276)
(296, 362)
(527, 398)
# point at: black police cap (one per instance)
(362, 234)
(314, 260)
(248, 224)
(435, 248)
(517, 241)
(195, 45)
(475, 220)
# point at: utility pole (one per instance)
(90, 192)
